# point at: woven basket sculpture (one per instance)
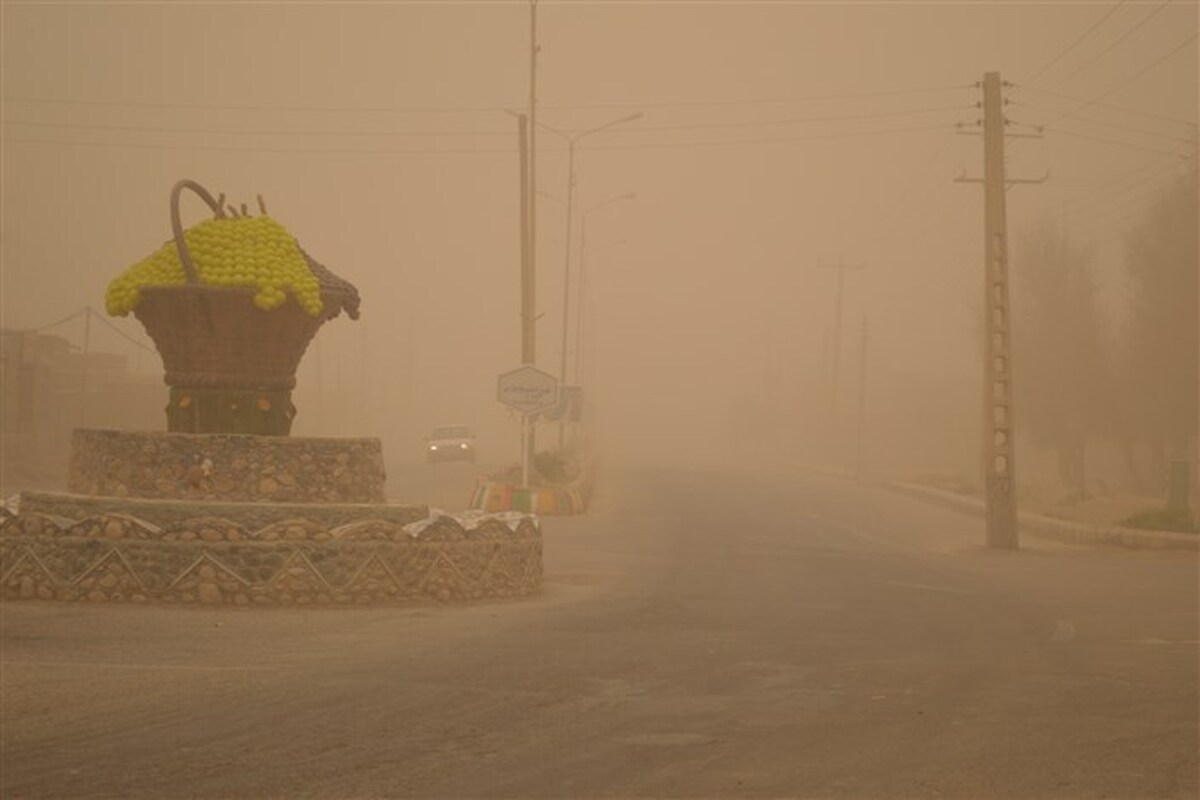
(231, 365)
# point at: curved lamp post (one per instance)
(571, 141)
(583, 273)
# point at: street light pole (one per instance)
(583, 274)
(571, 142)
(562, 370)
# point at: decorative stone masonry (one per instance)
(215, 561)
(248, 515)
(226, 467)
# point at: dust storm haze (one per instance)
(778, 568)
(775, 141)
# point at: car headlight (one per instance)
(433, 447)
(464, 445)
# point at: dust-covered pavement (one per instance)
(701, 635)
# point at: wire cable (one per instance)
(1129, 208)
(1139, 73)
(1118, 142)
(1103, 124)
(1095, 196)
(388, 134)
(469, 151)
(1109, 106)
(120, 332)
(480, 109)
(1074, 44)
(886, 220)
(1120, 84)
(62, 321)
(1113, 44)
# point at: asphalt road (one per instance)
(701, 635)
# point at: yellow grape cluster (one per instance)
(239, 251)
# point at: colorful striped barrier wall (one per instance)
(496, 496)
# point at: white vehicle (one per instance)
(450, 443)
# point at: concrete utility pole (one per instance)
(999, 465)
(529, 322)
(841, 267)
(532, 196)
(528, 298)
(999, 433)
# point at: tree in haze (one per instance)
(1160, 339)
(1059, 365)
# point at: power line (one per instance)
(388, 134)
(1103, 124)
(1140, 72)
(888, 219)
(251, 149)
(243, 132)
(468, 151)
(1109, 106)
(1118, 142)
(91, 311)
(1095, 196)
(482, 109)
(62, 321)
(1120, 84)
(1113, 44)
(120, 332)
(1075, 43)
(1137, 202)
(777, 140)
(793, 121)
(1133, 207)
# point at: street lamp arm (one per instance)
(610, 201)
(605, 126)
(571, 140)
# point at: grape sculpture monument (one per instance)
(226, 506)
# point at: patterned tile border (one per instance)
(112, 558)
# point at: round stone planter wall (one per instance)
(212, 561)
(240, 520)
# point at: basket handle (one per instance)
(185, 258)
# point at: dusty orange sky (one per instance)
(775, 138)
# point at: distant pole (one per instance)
(531, 228)
(862, 399)
(837, 333)
(532, 196)
(83, 371)
(571, 142)
(999, 466)
(579, 296)
(562, 368)
(582, 279)
(841, 268)
(320, 385)
(528, 339)
(525, 439)
(362, 380)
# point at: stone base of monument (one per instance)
(180, 535)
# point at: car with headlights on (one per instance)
(450, 443)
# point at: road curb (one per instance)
(1044, 527)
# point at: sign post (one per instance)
(528, 390)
